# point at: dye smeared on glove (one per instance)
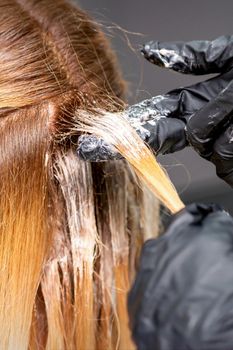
(163, 57)
(146, 113)
(150, 119)
(95, 149)
(194, 57)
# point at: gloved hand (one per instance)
(182, 298)
(199, 115)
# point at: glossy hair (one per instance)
(71, 231)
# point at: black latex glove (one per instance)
(182, 298)
(199, 115)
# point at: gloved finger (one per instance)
(207, 124)
(167, 135)
(94, 149)
(179, 103)
(194, 57)
(222, 155)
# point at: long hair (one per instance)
(71, 231)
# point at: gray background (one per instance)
(167, 20)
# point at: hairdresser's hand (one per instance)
(199, 115)
(206, 109)
(183, 294)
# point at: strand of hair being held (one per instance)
(114, 129)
